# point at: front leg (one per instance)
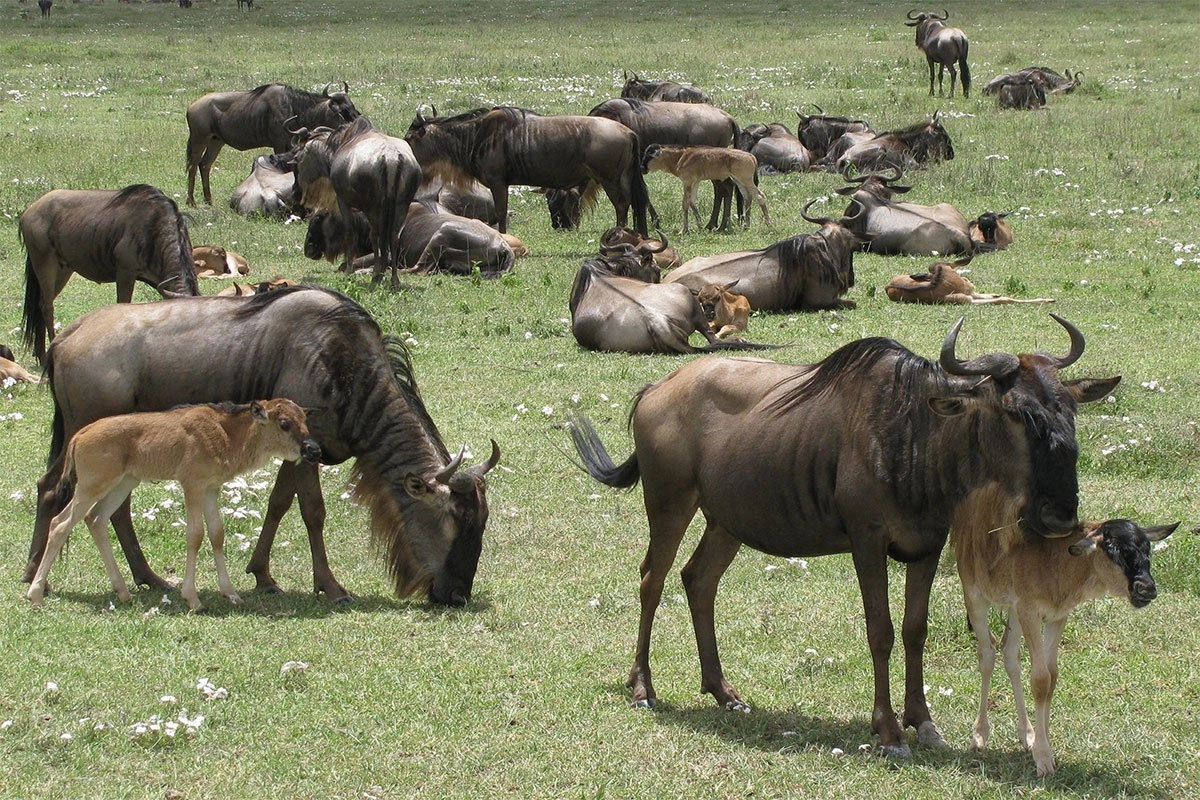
(701, 575)
(870, 566)
(915, 631)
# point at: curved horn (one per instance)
(945, 15)
(483, 469)
(448, 471)
(345, 88)
(910, 14)
(1077, 343)
(851, 217)
(662, 237)
(994, 364)
(609, 238)
(814, 220)
(820, 110)
(325, 91)
(800, 114)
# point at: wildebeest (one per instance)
(698, 163)
(503, 146)
(670, 91)
(822, 134)
(473, 200)
(1038, 582)
(432, 240)
(891, 228)
(249, 4)
(1022, 94)
(944, 46)
(614, 241)
(428, 512)
(900, 149)
(940, 283)
(201, 446)
(775, 148)
(269, 189)
(44, 6)
(808, 272)
(727, 312)
(256, 118)
(10, 370)
(360, 168)
(248, 289)
(870, 452)
(122, 236)
(990, 231)
(1049, 80)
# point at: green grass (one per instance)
(522, 693)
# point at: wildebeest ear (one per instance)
(1156, 533)
(731, 284)
(1084, 546)
(1089, 390)
(415, 485)
(954, 404)
(257, 411)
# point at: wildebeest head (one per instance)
(710, 297)
(566, 208)
(327, 236)
(334, 109)
(1042, 407)
(991, 229)
(925, 21)
(1127, 546)
(819, 131)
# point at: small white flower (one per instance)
(837, 752)
(169, 699)
(292, 666)
(8, 723)
(66, 737)
(51, 688)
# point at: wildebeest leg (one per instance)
(914, 632)
(722, 201)
(669, 515)
(125, 285)
(985, 651)
(1011, 645)
(97, 522)
(930, 60)
(701, 575)
(60, 528)
(953, 78)
(206, 161)
(870, 564)
(216, 537)
(500, 200)
(122, 522)
(1043, 666)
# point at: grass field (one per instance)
(522, 693)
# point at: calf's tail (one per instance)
(596, 460)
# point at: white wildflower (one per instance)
(292, 666)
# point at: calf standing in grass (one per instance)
(1039, 581)
(698, 163)
(201, 446)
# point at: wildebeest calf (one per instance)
(201, 446)
(703, 163)
(727, 313)
(11, 370)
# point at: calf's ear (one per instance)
(1089, 390)
(1156, 533)
(257, 411)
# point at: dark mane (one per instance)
(789, 254)
(583, 280)
(906, 133)
(347, 132)
(139, 193)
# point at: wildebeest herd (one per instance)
(873, 451)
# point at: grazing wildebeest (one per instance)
(269, 189)
(727, 312)
(775, 147)
(670, 91)
(701, 163)
(808, 272)
(1049, 80)
(673, 123)
(360, 168)
(900, 149)
(122, 236)
(256, 118)
(427, 511)
(503, 146)
(1021, 94)
(44, 6)
(1038, 582)
(201, 446)
(615, 241)
(990, 231)
(617, 314)
(822, 133)
(869, 452)
(890, 228)
(944, 46)
(940, 283)
(10, 370)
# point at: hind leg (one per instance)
(206, 164)
(701, 576)
(195, 536)
(60, 529)
(97, 522)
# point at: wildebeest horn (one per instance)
(287, 126)
(449, 470)
(851, 217)
(1077, 343)
(820, 110)
(993, 364)
(486, 467)
(345, 88)
(325, 91)
(945, 15)
(935, 116)
(804, 119)
(662, 237)
(609, 238)
(912, 14)
(814, 220)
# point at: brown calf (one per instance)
(10, 370)
(727, 313)
(201, 446)
(698, 163)
(214, 261)
(1038, 581)
(941, 284)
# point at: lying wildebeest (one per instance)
(259, 117)
(774, 147)
(727, 312)
(678, 123)
(1049, 80)
(247, 289)
(990, 231)
(900, 149)
(808, 272)
(617, 314)
(944, 46)
(10, 370)
(432, 240)
(940, 283)
(269, 189)
(870, 452)
(1021, 94)
(890, 228)
(122, 236)
(360, 168)
(473, 200)
(670, 91)
(1038, 582)
(701, 163)
(503, 146)
(201, 446)
(214, 261)
(614, 241)
(821, 133)
(427, 511)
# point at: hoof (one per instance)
(929, 736)
(346, 600)
(896, 752)
(737, 706)
(643, 703)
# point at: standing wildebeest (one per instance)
(360, 168)
(891, 228)
(808, 272)
(503, 146)
(701, 163)
(944, 46)
(324, 352)
(249, 4)
(255, 118)
(122, 236)
(775, 148)
(1049, 80)
(869, 452)
(269, 189)
(639, 89)
(44, 6)
(900, 149)
(201, 446)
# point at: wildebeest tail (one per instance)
(596, 460)
(640, 194)
(964, 71)
(31, 313)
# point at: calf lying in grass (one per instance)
(201, 446)
(1038, 581)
